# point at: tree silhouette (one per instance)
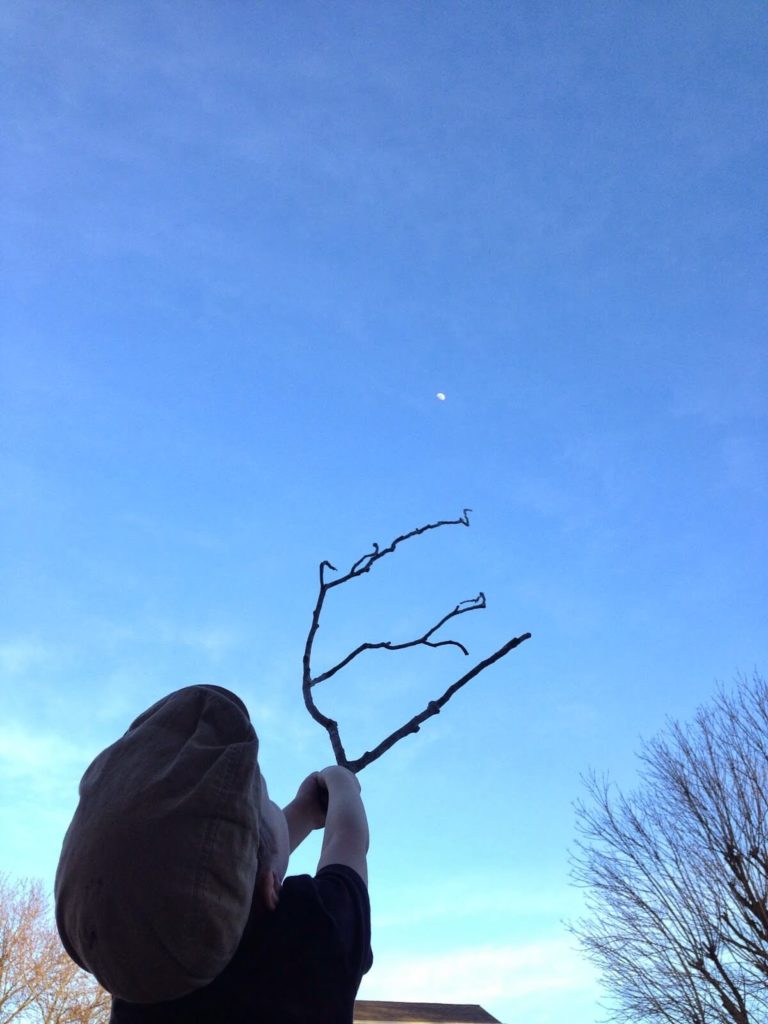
(38, 981)
(363, 565)
(677, 872)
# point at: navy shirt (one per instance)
(300, 964)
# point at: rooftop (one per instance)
(373, 1011)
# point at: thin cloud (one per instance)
(744, 464)
(214, 641)
(20, 655)
(33, 756)
(460, 899)
(485, 974)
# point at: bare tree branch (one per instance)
(474, 604)
(365, 563)
(434, 706)
(361, 566)
(676, 873)
(37, 977)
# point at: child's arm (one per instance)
(346, 826)
(306, 812)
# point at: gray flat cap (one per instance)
(157, 870)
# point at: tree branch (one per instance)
(474, 604)
(433, 708)
(361, 566)
(366, 563)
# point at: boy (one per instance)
(170, 883)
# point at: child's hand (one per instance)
(308, 809)
(336, 775)
(312, 798)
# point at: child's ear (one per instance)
(269, 890)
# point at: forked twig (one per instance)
(363, 565)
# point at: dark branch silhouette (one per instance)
(363, 565)
(38, 980)
(676, 872)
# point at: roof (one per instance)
(368, 1011)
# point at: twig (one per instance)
(361, 566)
(474, 604)
(433, 708)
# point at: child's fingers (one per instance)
(322, 792)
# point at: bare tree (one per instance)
(69, 995)
(38, 981)
(677, 872)
(22, 913)
(363, 565)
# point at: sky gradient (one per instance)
(245, 245)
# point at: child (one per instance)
(170, 883)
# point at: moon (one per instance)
(440, 395)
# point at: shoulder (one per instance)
(331, 884)
(336, 891)
(342, 876)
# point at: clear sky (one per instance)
(245, 245)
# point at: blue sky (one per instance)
(244, 247)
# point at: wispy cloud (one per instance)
(35, 756)
(213, 640)
(21, 654)
(484, 974)
(744, 464)
(39, 773)
(460, 899)
(700, 393)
